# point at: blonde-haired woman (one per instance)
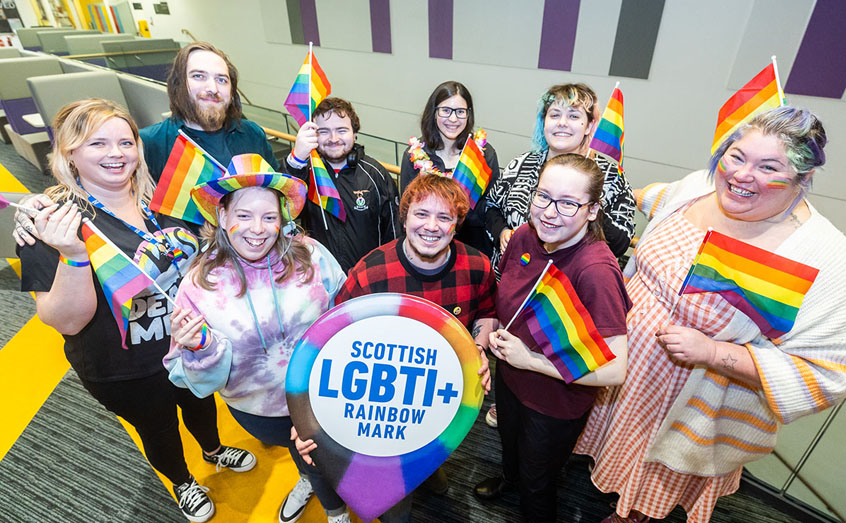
(99, 165)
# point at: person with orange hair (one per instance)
(431, 264)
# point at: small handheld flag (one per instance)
(609, 135)
(119, 277)
(322, 190)
(187, 166)
(472, 171)
(761, 93)
(563, 329)
(310, 88)
(762, 285)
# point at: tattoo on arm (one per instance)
(476, 329)
(728, 362)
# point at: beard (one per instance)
(337, 158)
(209, 117)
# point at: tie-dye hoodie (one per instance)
(233, 361)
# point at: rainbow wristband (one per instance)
(73, 263)
(203, 334)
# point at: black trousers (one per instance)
(149, 405)
(534, 448)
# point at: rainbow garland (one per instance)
(389, 477)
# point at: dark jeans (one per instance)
(149, 405)
(277, 431)
(534, 448)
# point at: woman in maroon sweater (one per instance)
(540, 414)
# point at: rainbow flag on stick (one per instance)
(309, 89)
(120, 278)
(472, 171)
(563, 329)
(762, 285)
(322, 190)
(609, 134)
(188, 165)
(761, 93)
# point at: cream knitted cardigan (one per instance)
(718, 424)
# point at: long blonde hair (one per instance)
(293, 251)
(73, 125)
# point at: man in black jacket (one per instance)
(368, 193)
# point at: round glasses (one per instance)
(566, 208)
(460, 113)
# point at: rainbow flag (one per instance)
(609, 134)
(472, 171)
(762, 285)
(563, 328)
(120, 279)
(322, 190)
(309, 89)
(760, 94)
(186, 167)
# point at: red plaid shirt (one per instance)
(465, 286)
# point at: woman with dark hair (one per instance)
(99, 165)
(566, 117)
(446, 123)
(540, 413)
(244, 305)
(707, 389)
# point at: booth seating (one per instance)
(53, 42)
(90, 44)
(6, 52)
(28, 36)
(153, 65)
(51, 93)
(9, 52)
(31, 142)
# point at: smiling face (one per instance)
(209, 89)
(429, 228)
(108, 158)
(451, 126)
(252, 221)
(754, 180)
(335, 137)
(565, 128)
(562, 183)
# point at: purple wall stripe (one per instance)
(309, 14)
(440, 29)
(820, 65)
(558, 34)
(380, 25)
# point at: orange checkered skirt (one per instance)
(625, 419)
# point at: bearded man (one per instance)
(204, 102)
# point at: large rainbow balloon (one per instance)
(372, 484)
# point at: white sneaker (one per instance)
(193, 501)
(341, 518)
(296, 501)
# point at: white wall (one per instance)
(702, 47)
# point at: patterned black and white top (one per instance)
(509, 200)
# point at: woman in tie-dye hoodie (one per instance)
(248, 299)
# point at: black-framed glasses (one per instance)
(566, 208)
(460, 113)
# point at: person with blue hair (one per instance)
(707, 390)
(567, 116)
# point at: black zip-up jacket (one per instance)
(371, 201)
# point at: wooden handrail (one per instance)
(118, 53)
(391, 168)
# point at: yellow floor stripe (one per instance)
(31, 365)
(9, 183)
